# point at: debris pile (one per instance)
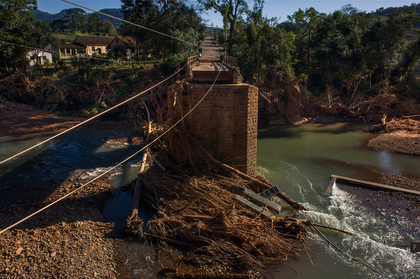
(405, 123)
(200, 213)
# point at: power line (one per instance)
(125, 160)
(93, 117)
(137, 25)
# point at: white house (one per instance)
(38, 57)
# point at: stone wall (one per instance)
(226, 122)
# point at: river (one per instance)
(299, 159)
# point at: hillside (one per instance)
(51, 17)
(386, 12)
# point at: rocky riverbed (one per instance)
(403, 142)
(67, 240)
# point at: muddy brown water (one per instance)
(298, 159)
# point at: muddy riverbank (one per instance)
(69, 239)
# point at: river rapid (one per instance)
(301, 159)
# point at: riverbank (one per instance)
(21, 118)
(69, 239)
(402, 142)
(399, 136)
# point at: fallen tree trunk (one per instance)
(136, 196)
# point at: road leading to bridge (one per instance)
(210, 50)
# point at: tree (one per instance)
(93, 23)
(16, 19)
(230, 10)
(108, 28)
(349, 10)
(305, 22)
(141, 12)
(60, 25)
(77, 19)
(172, 17)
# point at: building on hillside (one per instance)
(65, 50)
(38, 57)
(123, 44)
(94, 44)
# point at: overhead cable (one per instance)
(90, 119)
(126, 21)
(109, 170)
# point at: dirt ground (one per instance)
(69, 239)
(20, 118)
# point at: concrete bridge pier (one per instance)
(226, 122)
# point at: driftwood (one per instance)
(373, 185)
(291, 202)
(136, 196)
(331, 228)
(171, 241)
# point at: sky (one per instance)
(272, 8)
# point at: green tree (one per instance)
(231, 11)
(304, 23)
(60, 25)
(77, 19)
(93, 23)
(16, 19)
(141, 12)
(107, 27)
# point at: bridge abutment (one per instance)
(225, 123)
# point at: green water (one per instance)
(300, 160)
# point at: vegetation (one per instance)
(172, 17)
(76, 20)
(344, 58)
(18, 26)
(348, 61)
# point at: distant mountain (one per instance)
(51, 17)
